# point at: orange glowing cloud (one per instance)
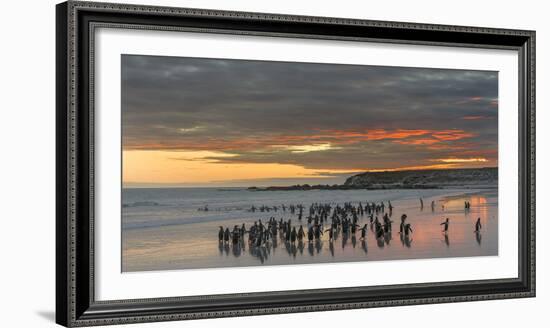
(321, 141)
(436, 137)
(402, 136)
(417, 142)
(474, 117)
(447, 147)
(418, 167)
(378, 134)
(492, 101)
(450, 135)
(461, 160)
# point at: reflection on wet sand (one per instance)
(332, 235)
(344, 229)
(364, 246)
(406, 240)
(446, 239)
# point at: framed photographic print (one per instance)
(215, 163)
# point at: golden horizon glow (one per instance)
(195, 167)
(208, 167)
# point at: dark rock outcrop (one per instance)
(424, 178)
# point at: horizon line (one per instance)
(176, 185)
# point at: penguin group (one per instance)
(310, 225)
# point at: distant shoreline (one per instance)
(306, 187)
(484, 178)
(412, 179)
(392, 187)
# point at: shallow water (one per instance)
(162, 229)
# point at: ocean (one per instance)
(170, 228)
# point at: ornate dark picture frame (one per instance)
(75, 301)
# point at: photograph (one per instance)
(237, 163)
(243, 161)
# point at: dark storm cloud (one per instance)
(248, 108)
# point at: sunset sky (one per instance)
(214, 122)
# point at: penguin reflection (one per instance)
(318, 246)
(478, 237)
(226, 248)
(258, 252)
(293, 250)
(237, 249)
(287, 247)
(364, 246)
(406, 240)
(344, 240)
(310, 249)
(301, 247)
(447, 240)
(331, 248)
(387, 237)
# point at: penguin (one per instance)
(446, 225)
(301, 233)
(226, 235)
(387, 223)
(364, 232)
(260, 237)
(379, 230)
(318, 233)
(243, 231)
(310, 234)
(478, 225)
(220, 234)
(236, 234)
(274, 228)
(402, 225)
(354, 228)
(408, 229)
(330, 233)
(293, 235)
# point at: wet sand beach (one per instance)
(172, 233)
